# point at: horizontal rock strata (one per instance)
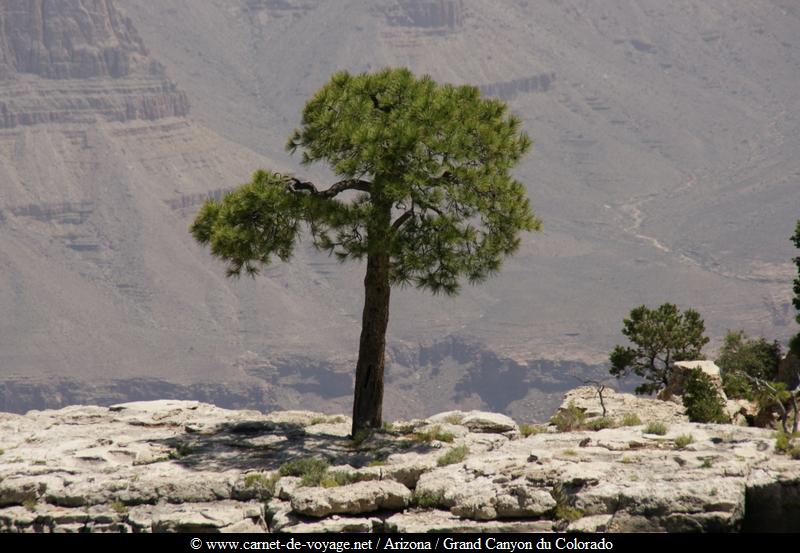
(78, 61)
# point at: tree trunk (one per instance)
(368, 402)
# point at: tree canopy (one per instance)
(661, 337)
(437, 157)
(424, 194)
(742, 358)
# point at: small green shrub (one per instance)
(454, 418)
(377, 463)
(434, 433)
(455, 455)
(388, 427)
(326, 419)
(315, 472)
(657, 428)
(627, 460)
(563, 510)
(530, 429)
(630, 419)
(683, 440)
(263, 484)
(119, 507)
(302, 467)
(702, 402)
(331, 479)
(313, 478)
(429, 499)
(569, 419)
(600, 423)
(29, 504)
(783, 442)
(707, 463)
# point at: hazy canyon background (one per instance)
(665, 168)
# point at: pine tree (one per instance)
(661, 336)
(434, 201)
(741, 357)
(701, 400)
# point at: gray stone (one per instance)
(361, 497)
(618, 405)
(590, 524)
(420, 521)
(680, 375)
(207, 517)
(335, 524)
(77, 469)
(477, 421)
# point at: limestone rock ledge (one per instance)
(173, 466)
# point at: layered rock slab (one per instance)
(178, 466)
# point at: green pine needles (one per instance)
(424, 195)
(661, 337)
(431, 163)
(701, 400)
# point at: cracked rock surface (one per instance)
(179, 466)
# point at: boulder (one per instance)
(590, 525)
(279, 515)
(230, 516)
(417, 522)
(619, 404)
(741, 411)
(478, 421)
(681, 370)
(478, 492)
(361, 497)
(336, 524)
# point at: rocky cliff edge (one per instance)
(177, 466)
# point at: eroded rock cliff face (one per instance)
(96, 155)
(172, 466)
(77, 60)
(69, 39)
(425, 14)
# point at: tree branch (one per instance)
(599, 386)
(297, 185)
(775, 396)
(402, 219)
(425, 205)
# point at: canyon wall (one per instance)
(75, 61)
